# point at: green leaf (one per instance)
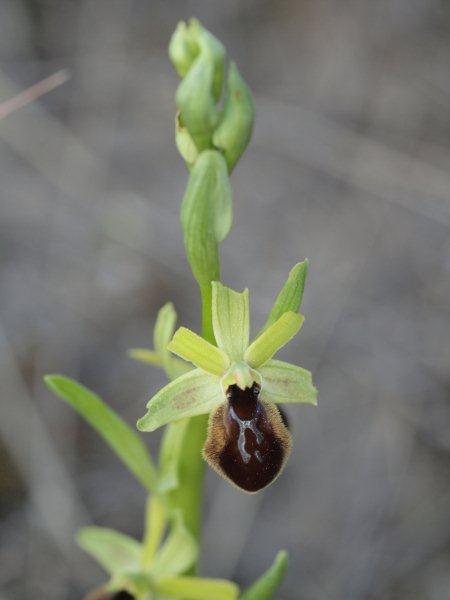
(202, 354)
(155, 524)
(114, 551)
(231, 320)
(266, 586)
(283, 382)
(116, 433)
(291, 294)
(194, 393)
(273, 338)
(196, 588)
(234, 130)
(206, 215)
(170, 455)
(178, 553)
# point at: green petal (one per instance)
(273, 338)
(194, 393)
(283, 382)
(114, 551)
(178, 553)
(202, 354)
(118, 434)
(196, 588)
(145, 355)
(176, 366)
(265, 587)
(291, 294)
(231, 320)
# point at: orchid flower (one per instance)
(240, 385)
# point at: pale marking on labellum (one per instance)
(243, 426)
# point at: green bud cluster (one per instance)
(213, 113)
(213, 127)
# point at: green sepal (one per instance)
(184, 142)
(273, 339)
(115, 552)
(266, 586)
(194, 393)
(196, 588)
(231, 320)
(234, 130)
(178, 552)
(116, 433)
(283, 382)
(206, 215)
(193, 348)
(291, 294)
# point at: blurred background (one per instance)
(349, 166)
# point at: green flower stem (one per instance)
(188, 497)
(207, 326)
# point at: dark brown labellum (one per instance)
(248, 442)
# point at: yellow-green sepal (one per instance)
(283, 382)
(231, 320)
(194, 393)
(291, 294)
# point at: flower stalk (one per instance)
(221, 403)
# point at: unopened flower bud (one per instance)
(234, 130)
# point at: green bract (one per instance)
(232, 362)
